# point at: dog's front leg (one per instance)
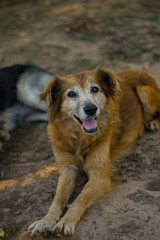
(99, 183)
(66, 184)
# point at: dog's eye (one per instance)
(94, 89)
(72, 94)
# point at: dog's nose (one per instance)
(90, 109)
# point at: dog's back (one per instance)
(135, 77)
(31, 82)
(147, 91)
(8, 79)
(139, 107)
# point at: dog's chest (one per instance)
(80, 146)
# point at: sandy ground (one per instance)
(65, 37)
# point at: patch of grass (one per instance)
(155, 57)
(54, 50)
(80, 36)
(132, 66)
(10, 160)
(56, 2)
(33, 52)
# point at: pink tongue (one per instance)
(89, 123)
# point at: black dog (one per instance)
(19, 89)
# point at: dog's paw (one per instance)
(63, 228)
(43, 225)
(153, 125)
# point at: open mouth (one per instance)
(89, 125)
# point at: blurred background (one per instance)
(69, 36)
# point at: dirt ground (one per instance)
(65, 37)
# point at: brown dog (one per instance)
(94, 118)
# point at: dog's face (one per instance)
(83, 102)
(81, 97)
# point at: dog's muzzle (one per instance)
(90, 123)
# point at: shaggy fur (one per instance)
(94, 118)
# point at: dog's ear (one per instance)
(108, 80)
(52, 97)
